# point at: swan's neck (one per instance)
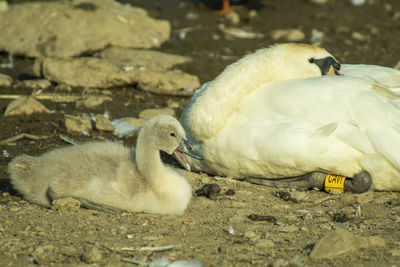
(148, 160)
(206, 116)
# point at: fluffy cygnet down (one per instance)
(109, 176)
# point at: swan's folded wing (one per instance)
(387, 143)
(384, 76)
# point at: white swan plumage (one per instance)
(273, 114)
(379, 75)
(108, 175)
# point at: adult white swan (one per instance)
(275, 114)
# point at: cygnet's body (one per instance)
(110, 174)
(275, 114)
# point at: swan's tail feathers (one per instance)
(387, 143)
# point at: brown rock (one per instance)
(25, 105)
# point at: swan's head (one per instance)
(294, 60)
(167, 134)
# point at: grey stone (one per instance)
(70, 28)
(34, 84)
(142, 58)
(305, 214)
(395, 252)
(134, 121)
(241, 216)
(25, 105)
(172, 103)
(102, 73)
(3, 5)
(291, 35)
(70, 251)
(299, 196)
(233, 18)
(264, 244)
(287, 228)
(150, 113)
(360, 37)
(5, 80)
(296, 261)
(42, 254)
(240, 33)
(103, 123)
(77, 124)
(344, 225)
(397, 67)
(92, 255)
(339, 242)
(126, 126)
(67, 203)
(319, 2)
(92, 101)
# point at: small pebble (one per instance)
(34, 84)
(268, 218)
(288, 228)
(264, 244)
(319, 2)
(291, 35)
(229, 192)
(395, 252)
(93, 255)
(233, 18)
(67, 203)
(231, 230)
(286, 196)
(340, 217)
(249, 234)
(42, 254)
(122, 228)
(209, 191)
(358, 36)
(150, 113)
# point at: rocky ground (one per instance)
(243, 224)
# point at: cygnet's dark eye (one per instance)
(172, 134)
(311, 60)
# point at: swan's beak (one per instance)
(334, 71)
(186, 148)
(328, 66)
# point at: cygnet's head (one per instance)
(301, 60)
(167, 134)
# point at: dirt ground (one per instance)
(255, 225)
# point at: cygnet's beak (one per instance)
(186, 148)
